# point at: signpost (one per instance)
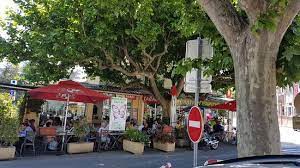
(195, 129)
(13, 92)
(198, 48)
(196, 82)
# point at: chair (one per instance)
(47, 133)
(29, 140)
(100, 143)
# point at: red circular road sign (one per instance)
(195, 124)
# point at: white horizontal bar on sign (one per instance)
(195, 124)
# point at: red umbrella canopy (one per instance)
(60, 92)
(231, 106)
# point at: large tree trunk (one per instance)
(166, 107)
(254, 62)
(165, 102)
(255, 78)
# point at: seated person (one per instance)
(48, 124)
(26, 132)
(207, 128)
(103, 130)
(146, 129)
(32, 124)
(218, 127)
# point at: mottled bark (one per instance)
(255, 80)
(254, 59)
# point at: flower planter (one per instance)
(167, 147)
(181, 143)
(133, 147)
(83, 147)
(7, 153)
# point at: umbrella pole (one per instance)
(65, 123)
(155, 110)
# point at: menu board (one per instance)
(118, 110)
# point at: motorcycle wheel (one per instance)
(214, 146)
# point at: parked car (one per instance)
(272, 161)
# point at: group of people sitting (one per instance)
(148, 126)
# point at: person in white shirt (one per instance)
(103, 130)
(27, 131)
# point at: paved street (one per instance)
(113, 159)
(151, 159)
(290, 140)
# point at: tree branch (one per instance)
(158, 63)
(166, 45)
(158, 55)
(130, 59)
(287, 18)
(119, 68)
(156, 91)
(180, 86)
(225, 17)
(253, 8)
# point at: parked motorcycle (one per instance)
(210, 141)
(207, 141)
(234, 137)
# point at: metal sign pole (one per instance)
(198, 85)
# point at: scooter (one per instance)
(207, 141)
(210, 141)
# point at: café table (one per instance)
(115, 139)
(68, 135)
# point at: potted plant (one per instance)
(9, 126)
(81, 130)
(180, 136)
(164, 142)
(134, 141)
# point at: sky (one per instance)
(4, 6)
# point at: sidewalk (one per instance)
(288, 135)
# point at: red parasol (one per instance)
(231, 106)
(68, 91)
(60, 92)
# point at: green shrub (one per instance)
(136, 136)
(81, 129)
(9, 121)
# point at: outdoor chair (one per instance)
(47, 133)
(102, 143)
(29, 140)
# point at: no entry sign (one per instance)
(195, 124)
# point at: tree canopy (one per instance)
(221, 65)
(132, 42)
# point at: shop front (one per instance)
(95, 113)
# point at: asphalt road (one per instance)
(181, 158)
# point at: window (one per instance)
(289, 111)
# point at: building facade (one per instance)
(285, 104)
